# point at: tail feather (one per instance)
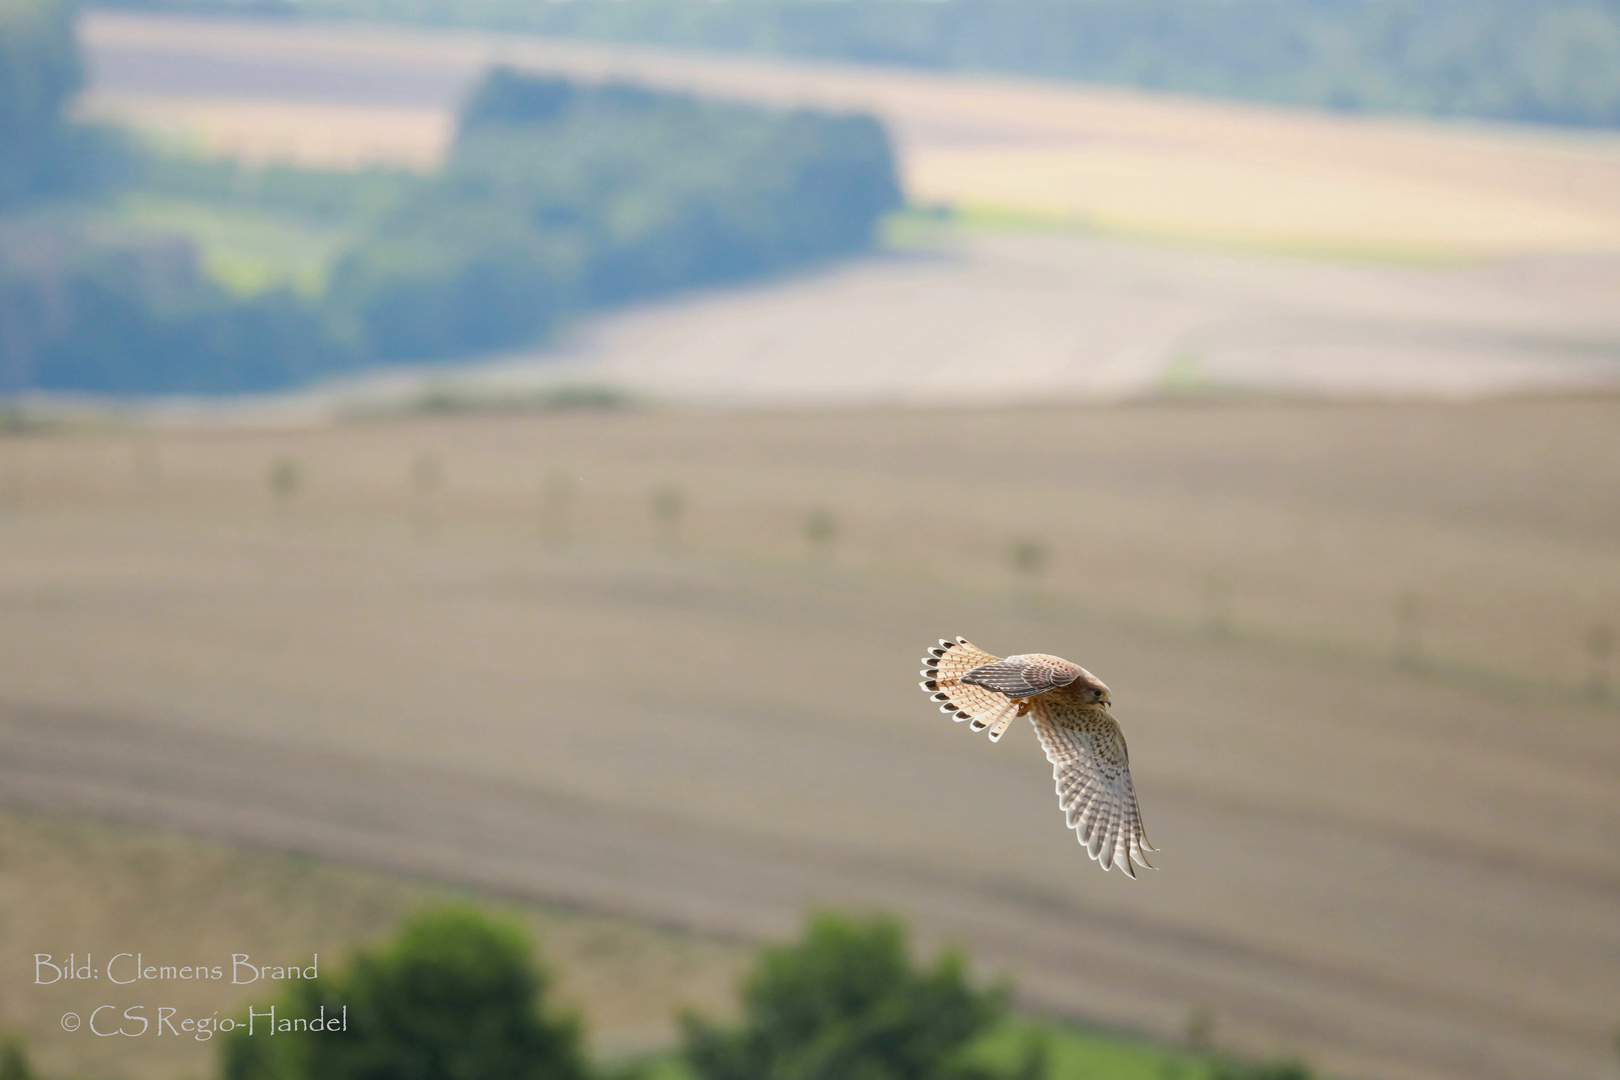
(999, 722)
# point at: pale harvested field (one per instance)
(982, 318)
(1403, 872)
(1112, 159)
(75, 886)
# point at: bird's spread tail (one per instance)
(942, 673)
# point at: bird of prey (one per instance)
(1069, 707)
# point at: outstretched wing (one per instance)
(943, 669)
(1093, 774)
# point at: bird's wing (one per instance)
(1024, 676)
(942, 673)
(1093, 774)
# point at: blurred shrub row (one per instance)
(1552, 61)
(556, 198)
(456, 996)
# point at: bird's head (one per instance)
(1093, 691)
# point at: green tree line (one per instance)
(1544, 61)
(459, 996)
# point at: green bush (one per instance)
(846, 1003)
(1229, 1069)
(14, 1060)
(456, 996)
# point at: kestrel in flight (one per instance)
(1069, 707)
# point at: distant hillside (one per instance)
(556, 197)
(1543, 61)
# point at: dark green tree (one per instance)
(455, 996)
(846, 1002)
(39, 73)
(14, 1061)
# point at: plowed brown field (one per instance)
(1354, 648)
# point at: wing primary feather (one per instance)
(1091, 772)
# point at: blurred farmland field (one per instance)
(1542, 61)
(130, 268)
(610, 647)
(1114, 160)
(659, 662)
(1111, 244)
